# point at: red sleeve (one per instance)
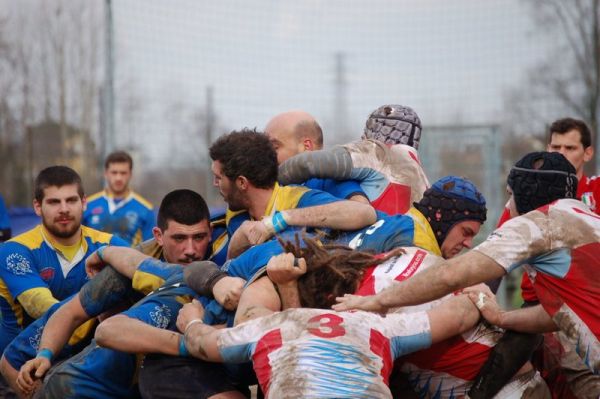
(504, 217)
(527, 291)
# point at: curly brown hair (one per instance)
(331, 270)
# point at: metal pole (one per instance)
(109, 95)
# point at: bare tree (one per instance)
(567, 82)
(50, 76)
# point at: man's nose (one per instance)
(468, 242)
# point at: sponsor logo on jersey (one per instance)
(47, 273)
(414, 264)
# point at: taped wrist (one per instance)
(202, 277)
(275, 224)
(335, 163)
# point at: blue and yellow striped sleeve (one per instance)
(152, 273)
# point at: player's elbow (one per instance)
(105, 333)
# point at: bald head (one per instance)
(294, 132)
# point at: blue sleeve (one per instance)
(25, 346)
(118, 242)
(159, 269)
(316, 197)
(339, 189)
(253, 259)
(387, 233)
(215, 313)
(18, 269)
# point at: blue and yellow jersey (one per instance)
(387, 233)
(102, 372)
(26, 345)
(34, 275)
(131, 218)
(282, 198)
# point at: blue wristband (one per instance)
(47, 353)
(279, 223)
(183, 351)
(100, 252)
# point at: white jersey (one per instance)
(559, 244)
(391, 176)
(313, 353)
(446, 369)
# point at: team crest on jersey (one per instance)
(160, 316)
(18, 264)
(47, 273)
(588, 199)
(132, 218)
(34, 340)
(97, 210)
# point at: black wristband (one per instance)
(202, 277)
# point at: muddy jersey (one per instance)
(314, 353)
(98, 372)
(387, 233)
(391, 176)
(558, 244)
(446, 369)
(282, 198)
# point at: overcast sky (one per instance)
(450, 60)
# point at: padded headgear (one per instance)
(540, 178)
(394, 124)
(451, 200)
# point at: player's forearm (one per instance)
(342, 215)
(289, 295)
(532, 319)
(124, 260)
(130, 335)
(423, 287)
(443, 278)
(62, 324)
(201, 341)
(335, 163)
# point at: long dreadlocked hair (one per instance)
(331, 270)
